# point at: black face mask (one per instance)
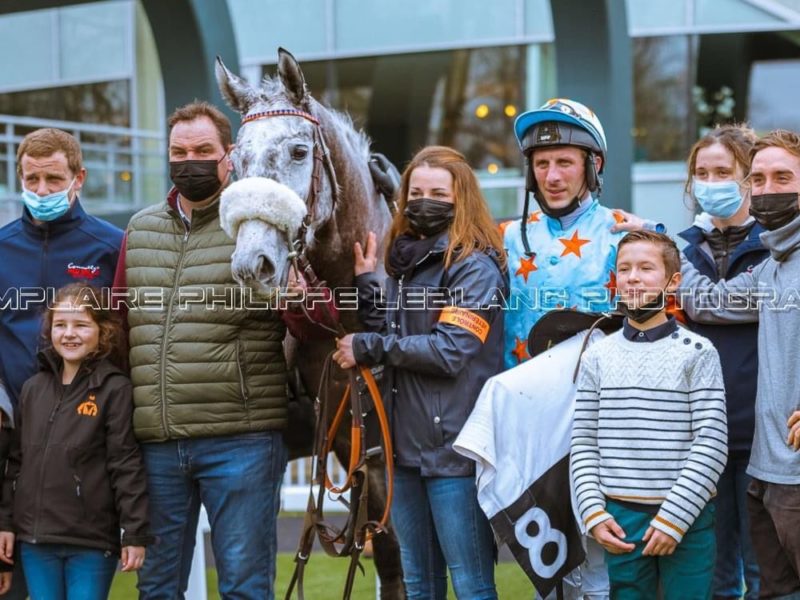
(428, 216)
(644, 312)
(773, 211)
(196, 180)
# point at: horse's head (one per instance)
(287, 187)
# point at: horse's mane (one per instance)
(271, 87)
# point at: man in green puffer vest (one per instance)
(209, 381)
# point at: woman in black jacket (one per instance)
(75, 466)
(440, 335)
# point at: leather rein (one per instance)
(351, 538)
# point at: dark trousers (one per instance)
(775, 531)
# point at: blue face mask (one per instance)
(49, 207)
(719, 198)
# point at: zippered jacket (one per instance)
(75, 470)
(203, 364)
(737, 344)
(439, 334)
(75, 247)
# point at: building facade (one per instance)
(452, 72)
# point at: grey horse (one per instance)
(283, 129)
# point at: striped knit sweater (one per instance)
(650, 428)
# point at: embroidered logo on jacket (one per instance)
(79, 272)
(88, 408)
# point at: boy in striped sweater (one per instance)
(650, 435)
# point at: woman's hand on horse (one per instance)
(343, 354)
(366, 262)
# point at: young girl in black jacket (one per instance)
(75, 466)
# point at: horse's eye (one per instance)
(299, 152)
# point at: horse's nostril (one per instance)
(266, 270)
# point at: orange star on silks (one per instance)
(503, 226)
(534, 217)
(526, 267)
(618, 216)
(520, 349)
(573, 245)
(611, 285)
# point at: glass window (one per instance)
(26, 63)
(467, 99)
(770, 110)
(263, 25)
(104, 103)
(95, 41)
(384, 24)
(107, 156)
(663, 117)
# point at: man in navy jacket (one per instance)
(52, 244)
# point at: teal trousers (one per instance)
(686, 574)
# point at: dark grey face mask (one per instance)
(773, 211)
(645, 311)
(196, 180)
(428, 216)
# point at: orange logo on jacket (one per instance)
(88, 408)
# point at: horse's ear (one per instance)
(292, 77)
(239, 94)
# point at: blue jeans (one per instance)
(67, 572)
(440, 525)
(238, 480)
(736, 561)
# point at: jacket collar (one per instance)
(66, 222)
(784, 241)
(694, 235)
(200, 216)
(98, 370)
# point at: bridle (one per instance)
(348, 541)
(322, 159)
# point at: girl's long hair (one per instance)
(473, 228)
(82, 295)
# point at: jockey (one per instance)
(561, 255)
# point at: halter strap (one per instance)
(280, 112)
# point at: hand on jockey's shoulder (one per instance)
(366, 261)
(630, 222)
(384, 174)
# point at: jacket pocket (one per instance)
(240, 369)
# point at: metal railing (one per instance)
(126, 167)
